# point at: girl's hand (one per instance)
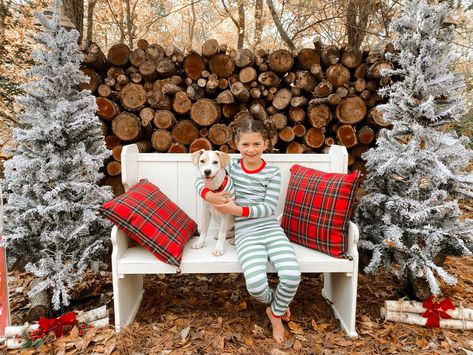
(217, 198)
(229, 207)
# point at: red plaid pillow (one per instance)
(318, 208)
(152, 220)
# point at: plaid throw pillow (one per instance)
(318, 208)
(152, 220)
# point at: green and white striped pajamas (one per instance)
(259, 236)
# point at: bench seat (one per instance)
(136, 259)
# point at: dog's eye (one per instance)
(202, 161)
(215, 162)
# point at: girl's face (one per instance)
(251, 145)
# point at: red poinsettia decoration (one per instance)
(436, 310)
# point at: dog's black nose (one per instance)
(207, 172)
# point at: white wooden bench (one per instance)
(174, 174)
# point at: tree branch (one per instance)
(230, 14)
(166, 15)
(279, 26)
(116, 20)
(312, 25)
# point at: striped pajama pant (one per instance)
(253, 250)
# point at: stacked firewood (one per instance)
(170, 101)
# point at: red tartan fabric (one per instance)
(152, 220)
(318, 208)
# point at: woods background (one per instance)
(253, 24)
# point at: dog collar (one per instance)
(224, 183)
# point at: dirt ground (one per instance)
(213, 314)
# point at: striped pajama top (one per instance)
(257, 192)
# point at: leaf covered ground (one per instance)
(213, 314)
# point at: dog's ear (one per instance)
(196, 155)
(224, 159)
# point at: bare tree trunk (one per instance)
(240, 25)
(120, 23)
(90, 19)
(74, 9)
(258, 24)
(279, 26)
(129, 24)
(357, 21)
(241, 29)
(191, 34)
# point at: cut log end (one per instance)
(161, 140)
(351, 110)
(185, 132)
(200, 143)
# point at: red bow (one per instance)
(57, 324)
(436, 310)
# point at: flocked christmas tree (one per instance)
(409, 217)
(51, 183)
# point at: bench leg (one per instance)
(340, 290)
(127, 295)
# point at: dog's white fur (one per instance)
(211, 166)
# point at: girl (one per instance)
(258, 235)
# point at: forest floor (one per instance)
(213, 314)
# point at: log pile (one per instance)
(170, 101)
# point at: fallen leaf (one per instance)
(249, 342)
(297, 345)
(257, 330)
(301, 337)
(421, 343)
(295, 328)
(288, 344)
(185, 333)
(276, 351)
(180, 322)
(344, 342)
(242, 306)
(219, 342)
(196, 335)
(319, 327)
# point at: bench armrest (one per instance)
(353, 236)
(120, 243)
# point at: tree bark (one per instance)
(279, 26)
(90, 19)
(242, 28)
(192, 27)
(357, 21)
(129, 24)
(258, 24)
(75, 11)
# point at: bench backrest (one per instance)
(175, 174)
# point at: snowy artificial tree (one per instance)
(51, 183)
(409, 217)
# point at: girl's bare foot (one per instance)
(278, 327)
(286, 316)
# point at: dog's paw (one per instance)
(197, 245)
(217, 252)
(231, 241)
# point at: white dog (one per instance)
(211, 166)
